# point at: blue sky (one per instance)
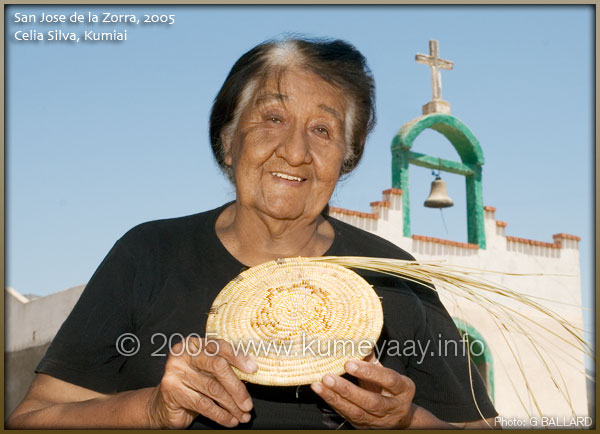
(101, 136)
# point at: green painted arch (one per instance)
(486, 357)
(471, 156)
(458, 134)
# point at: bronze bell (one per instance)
(438, 197)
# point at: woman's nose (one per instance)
(294, 147)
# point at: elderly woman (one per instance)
(290, 119)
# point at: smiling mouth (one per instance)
(287, 177)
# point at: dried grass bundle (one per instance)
(513, 314)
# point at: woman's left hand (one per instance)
(383, 398)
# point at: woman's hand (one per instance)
(383, 398)
(200, 381)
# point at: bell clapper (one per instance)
(444, 221)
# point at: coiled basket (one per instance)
(300, 319)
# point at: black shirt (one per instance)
(158, 283)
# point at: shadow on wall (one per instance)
(591, 395)
(30, 325)
(18, 373)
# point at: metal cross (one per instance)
(435, 63)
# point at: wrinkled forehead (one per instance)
(280, 85)
(273, 84)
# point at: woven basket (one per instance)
(299, 319)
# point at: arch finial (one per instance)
(435, 63)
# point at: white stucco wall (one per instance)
(30, 323)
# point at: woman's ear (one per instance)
(226, 142)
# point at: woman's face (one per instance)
(289, 145)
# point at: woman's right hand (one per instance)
(200, 381)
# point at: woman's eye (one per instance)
(274, 119)
(322, 131)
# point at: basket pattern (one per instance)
(299, 319)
